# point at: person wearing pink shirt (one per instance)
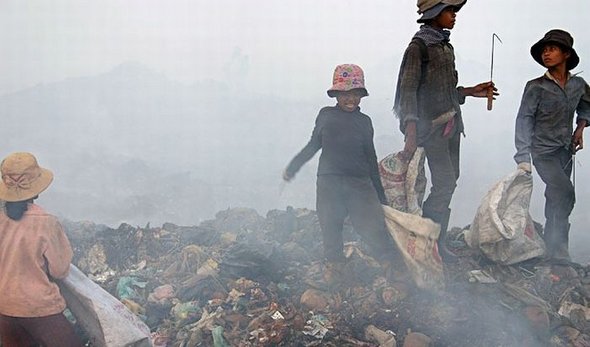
(34, 251)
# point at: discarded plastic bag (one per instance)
(126, 290)
(106, 320)
(404, 182)
(254, 261)
(416, 239)
(503, 229)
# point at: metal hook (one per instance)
(490, 95)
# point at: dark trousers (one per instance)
(442, 155)
(49, 331)
(555, 170)
(341, 196)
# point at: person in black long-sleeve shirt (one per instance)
(348, 181)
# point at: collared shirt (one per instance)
(346, 140)
(438, 92)
(32, 249)
(545, 118)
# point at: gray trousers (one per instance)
(341, 196)
(555, 170)
(442, 155)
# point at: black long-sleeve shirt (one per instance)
(346, 140)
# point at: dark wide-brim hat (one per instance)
(429, 9)
(561, 38)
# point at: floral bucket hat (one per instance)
(22, 177)
(347, 77)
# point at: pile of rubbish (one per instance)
(247, 280)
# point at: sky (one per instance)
(286, 45)
(287, 50)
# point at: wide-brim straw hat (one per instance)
(22, 177)
(429, 9)
(561, 38)
(347, 77)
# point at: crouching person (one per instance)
(544, 128)
(34, 250)
(348, 182)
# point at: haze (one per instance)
(169, 111)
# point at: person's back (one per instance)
(38, 235)
(34, 251)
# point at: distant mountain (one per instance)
(132, 145)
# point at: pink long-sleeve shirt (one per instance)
(32, 249)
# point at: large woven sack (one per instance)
(104, 318)
(503, 229)
(416, 239)
(404, 182)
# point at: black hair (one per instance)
(16, 209)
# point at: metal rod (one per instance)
(494, 37)
(490, 94)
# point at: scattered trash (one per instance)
(481, 276)
(317, 326)
(244, 280)
(383, 338)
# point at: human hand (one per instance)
(481, 90)
(525, 166)
(577, 140)
(286, 176)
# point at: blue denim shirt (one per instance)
(545, 118)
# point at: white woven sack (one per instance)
(503, 229)
(404, 182)
(416, 239)
(106, 320)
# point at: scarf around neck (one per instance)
(432, 36)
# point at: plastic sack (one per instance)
(416, 239)
(104, 318)
(503, 229)
(404, 182)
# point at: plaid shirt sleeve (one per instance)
(409, 82)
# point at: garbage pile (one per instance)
(247, 280)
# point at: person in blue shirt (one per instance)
(544, 132)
